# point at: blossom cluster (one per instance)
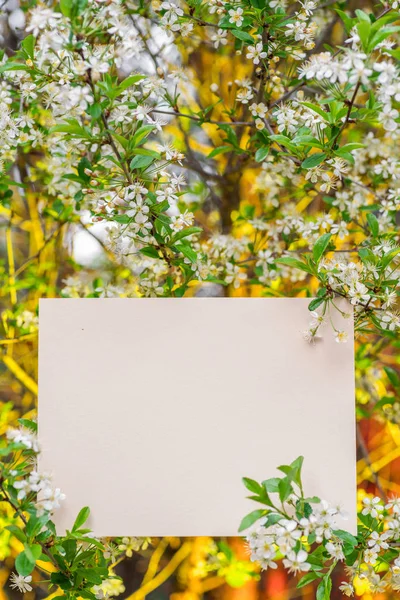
(305, 534)
(209, 147)
(33, 499)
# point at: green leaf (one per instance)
(364, 30)
(393, 377)
(272, 484)
(308, 578)
(35, 525)
(314, 304)
(283, 140)
(188, 252)
(185, 233)
(141, 134)
(317, 109)
(313, 160)
(348, 21)
(70, 547)
(125, 84)
(13, 66)
(219, 150)
(346, 537)
(140, 162)
(66, 7)
(33, 552)
(94, 110)
(82, 517)
(384, 402)
(61, 580)
(85, 594)
(295, 469)
(351, 146)
(306, 140)
(73, 127)
(79, 7)
(253, 486)
(251, 518)
(82, 165)
(231, 136)
(320, 246)
(28, 44)
(294, 262)
(373, 224)
(285, 489)
(272, 518)
(32, 425)
(242, 35)
(150, 251)
(90, 575)
(17, 532)
(124, 219)
(146, 152)
(388, 257)
(121, 139)
(261, 153)
(24, 565)
(324, 589)
(160, 207)
(346, 155)
(88, 540)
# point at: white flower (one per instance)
(287, 534)
(133, 544)
(387, 71)
(184, 220)
(370, 556)
(378, 541)
(23, 488)
(390, 321)
(360, 74)
(28, 320)
(394, 504)
(318, 319)
(23, 436)
(21, 583)
(359, 293)
(347, 588)
(234, 275)
(339, 166)
(255, 53)
(51, 500)
(142, 112)
(219, 38)
(335, 551)
(387, 117)
(258, 110)
(267, 563)
(340, 229)
(236, 16)
(297, 562)
(40, 18)
(310, 336)
(167, 193)
(341, 336)
(287, 119)
(244, 95)
(372, 506)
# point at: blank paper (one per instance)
(152, 410)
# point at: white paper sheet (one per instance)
(152, 410)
